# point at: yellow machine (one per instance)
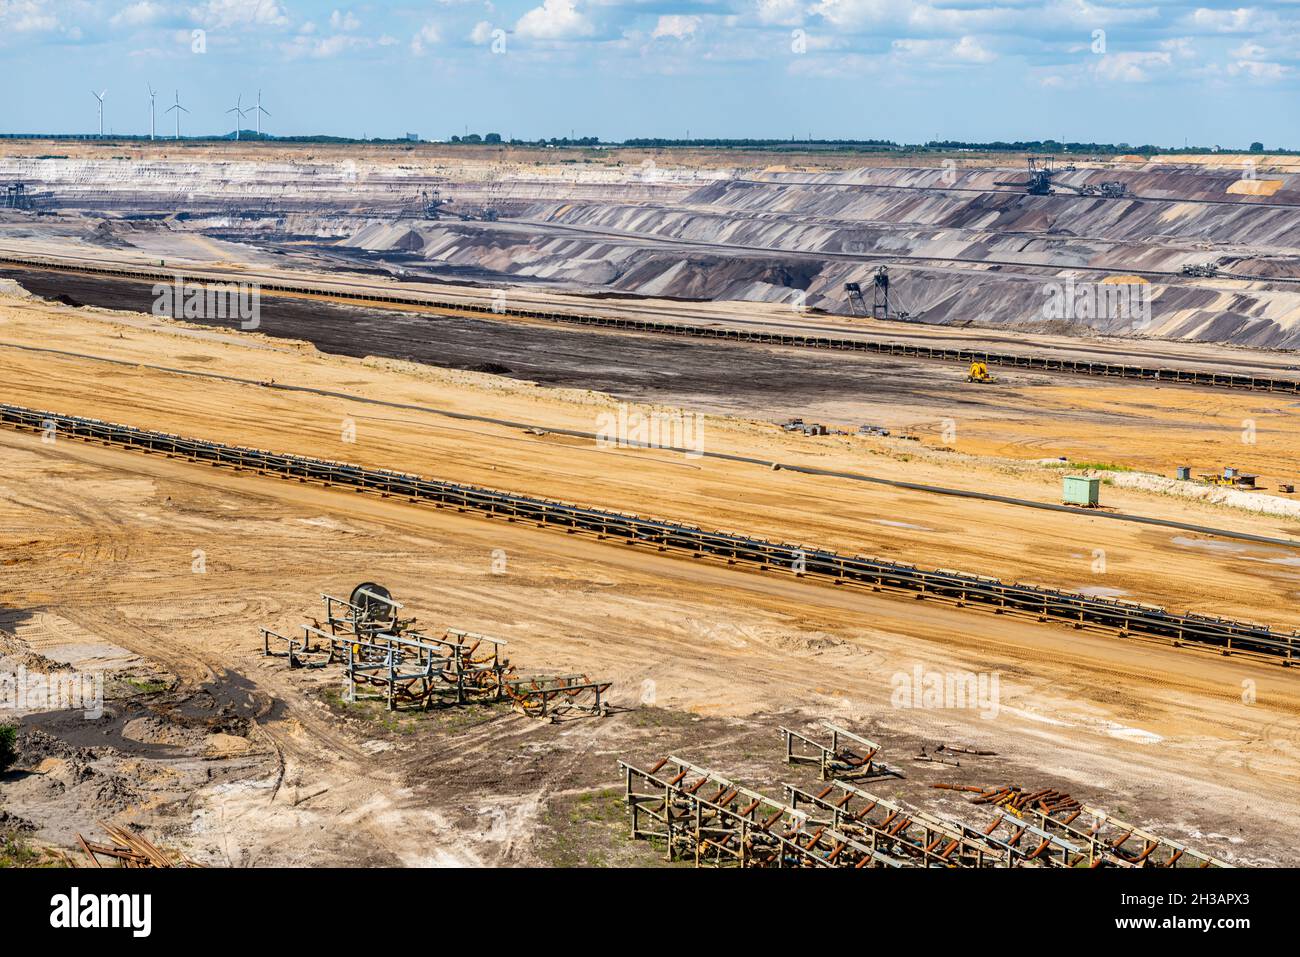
(979, 372)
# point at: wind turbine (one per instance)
(239, 114)
(179, 110)
(152, 92)
(258, 111)
(100, 98)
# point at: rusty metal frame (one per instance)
(703, 816)
(1096, 838)
(390, 661)
(549, 696)
(910, 834)
(837, 761)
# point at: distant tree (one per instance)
(472, 138)
(492, 138)
(1257, 147)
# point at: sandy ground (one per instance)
(1164, 736)
(1027, 416)
(1178, 569)
(242, 761)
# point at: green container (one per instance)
(1081, 490)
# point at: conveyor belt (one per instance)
(1040, 363)
(1225, 635)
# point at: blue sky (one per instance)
(911, 70)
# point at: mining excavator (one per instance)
(979, 372)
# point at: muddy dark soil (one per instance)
(749, 380)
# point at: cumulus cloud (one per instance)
(972, 51)
(1240, 20)
(781, 13)
(427, 36)
(1132, 67)
(27, 16)
(324, 47)
(855, 14)
(676, 27)
(941, 52)
(1082, 15)
(241, 13)
(344, 20)
(481, 34)
(138, 14)
(555, 20)
(1260, 70)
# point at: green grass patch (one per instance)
(1090, 466)
(15, 852)
(144, 686)
(408, 719)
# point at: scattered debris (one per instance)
(947, 754)
(128, 850)
(1091, 836)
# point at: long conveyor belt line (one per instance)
(1226, 635)
(1041, 363)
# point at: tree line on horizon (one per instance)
(590, 142)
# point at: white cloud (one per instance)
(241, 13)
(851, 14)
(27, 16)
(428, 35)
(135, 15)
(344, 20)
(1089, 16)
(323, 47)
(555, 20)
(481, 33)
(1241, 20)
(676, 27)
(940, 52)
(782, 13)
(1132, 67)
(1260, 70)
(972, 51)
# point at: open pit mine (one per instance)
(422, 504)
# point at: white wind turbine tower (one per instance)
(239, 114)
(179, 110)
(152, 93)
(258, 111)
(100, 98)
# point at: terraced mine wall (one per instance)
(965, 246)
(966, 252)
(171, 187)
